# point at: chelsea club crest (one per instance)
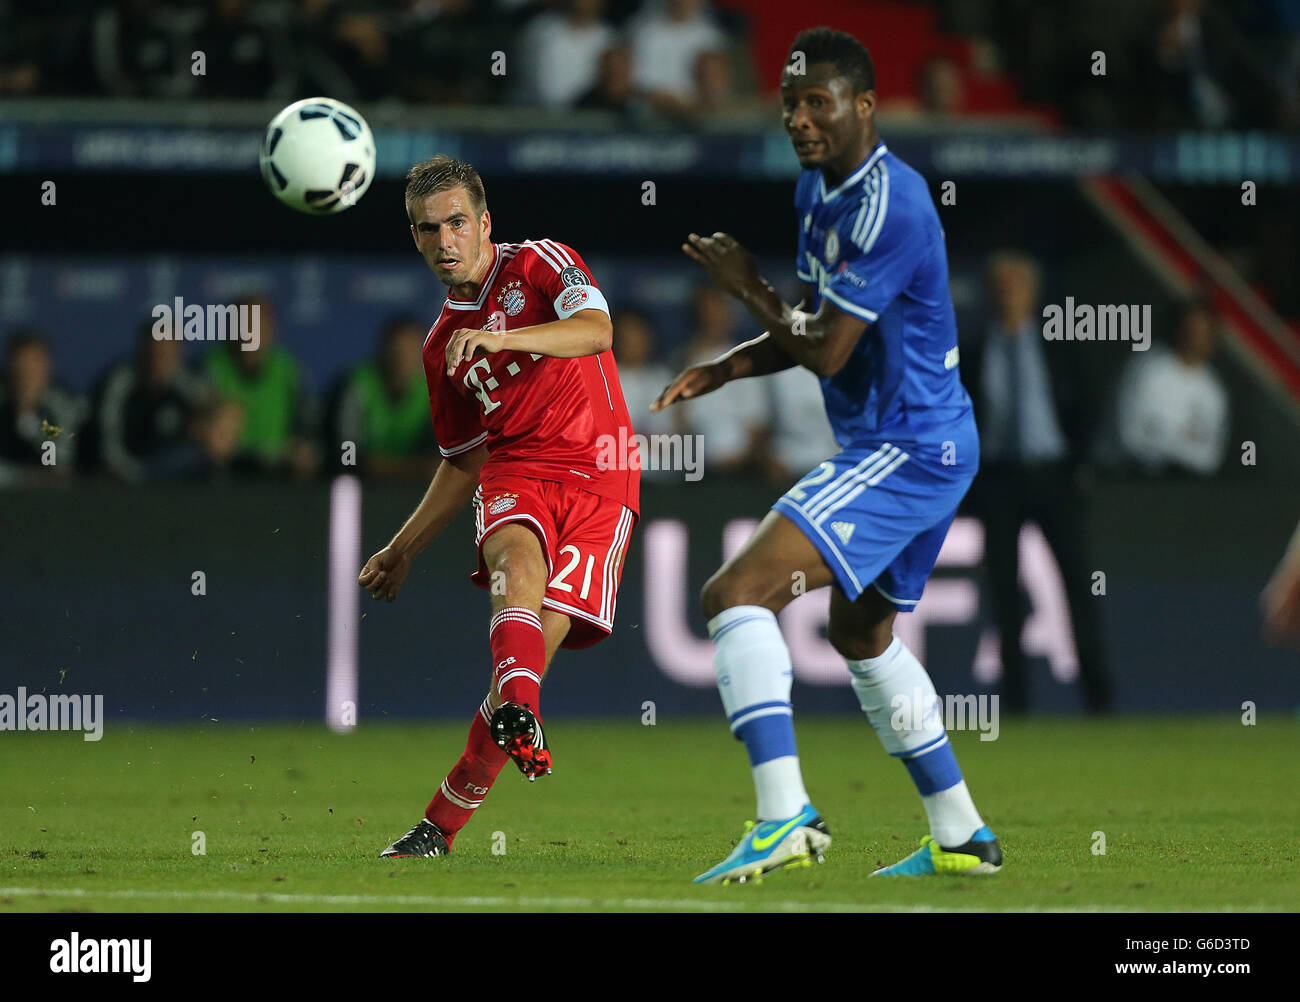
(832, 246)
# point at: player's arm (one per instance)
(587, 332)
(758, 357)
(1281, 597)
(451, 489)
(821, 341)
(763, 355)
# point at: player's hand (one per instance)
(467, 343)
(1281, 600)
(384, 573)
(693, 382)
(732, 267)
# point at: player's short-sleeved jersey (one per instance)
(559, 419)
(874, 247)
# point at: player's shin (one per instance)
(752, 665)
(899, 699)
(519, 654)
(469, 780)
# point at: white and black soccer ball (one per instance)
(318, 156)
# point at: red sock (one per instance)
(469, 781)
(519, 652)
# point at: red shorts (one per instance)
(584, 537)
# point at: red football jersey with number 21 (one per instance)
(539, 416)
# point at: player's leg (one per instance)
(470, 779)
(899, 699)
(513, 565)
(754, 674)
(518, 571)
(555, 627)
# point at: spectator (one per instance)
(341, 52)
(383, 409)
(243, 61)
(1173, 409)
(268, 384)
(38, 421)
(666, 47)
(941, 89)
(562, 53)
(1030, 470)
(801, 435)
(715, 84)
(445, 50)
(140, 48)
(1184, 67)
(641, 375)
(614, 89)
(144, 409)
(214, 452)
(733, 419)
(642, 379)
(20, 68)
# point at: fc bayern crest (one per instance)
(502, 503)
(512, 298)
(832, 246)
(573, 299)
(513, 302)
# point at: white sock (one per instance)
(952, 814)
(752, 665)
(898, 697)
(779, 785)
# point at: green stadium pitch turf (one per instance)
(1197, 815)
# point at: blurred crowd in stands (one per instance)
(1208, 64)
(236, 413)
(675, 56)
(1168, 63)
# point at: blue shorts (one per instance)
(878, 516)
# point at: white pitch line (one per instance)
(475, 901)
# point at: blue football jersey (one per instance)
(874, 247)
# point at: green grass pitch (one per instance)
(1197, 814)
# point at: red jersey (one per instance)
(547, 418)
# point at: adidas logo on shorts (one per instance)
(844, 530)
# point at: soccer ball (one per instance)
(318, 156)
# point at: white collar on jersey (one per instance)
(854, 178)
(500, 255)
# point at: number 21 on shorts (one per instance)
(560, 580)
